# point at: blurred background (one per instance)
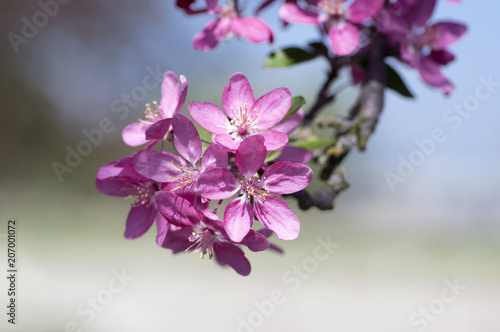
(400, 251)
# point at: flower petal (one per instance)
(421, 12)
(285, 177)
(156, 165)
(139, 220)
(228, 142)
(253, 28)
(295, 155)
(255, 241)
(238, 218)
(159, 129)
(291, 13)
(237, 94)
(361, 10)
(186, 138)
(214, 156)
(344, 38)
(272, 107)
(251, 155)
(182, 96)
(291, 123)
(169, 94)
(175, 209)
(274, 140)
(217, 183)
(442, 34)
(275, 214)
(431, 73)
(229, 254)
(134, 134)
(209, 117)
(161, 228)
(212, 34)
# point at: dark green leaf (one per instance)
(396, 83)
(297, 103)
(313, 144)
(288, 57)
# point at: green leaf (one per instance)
(313, 144)
(271, 155)
(297, 103)
(396, 83)
(319, 48)
(288, 57)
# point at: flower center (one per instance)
(243, 119)
(202, 242)
(143, 193)
(251, 186)
(333, 7)
(185, 178)
(152, 114)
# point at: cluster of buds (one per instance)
(182, 192)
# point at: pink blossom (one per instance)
(256, 201)
(422, 45)
(181, 171)
(342, 24)
(190, 226)
(158, 120)
(247, 116)
(230, 22)
(119, 178)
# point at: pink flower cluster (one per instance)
(176, 190)
(421, 45)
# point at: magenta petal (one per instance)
(182, 96)
(272, 107)
(139, 220)
(442, 34)
(275, 214)
(229, 254)
(290, 123)
(134, 134)
(421, 12)
(159, 129)
(238, 218)
(274, 140)
(169, 94)
(175, 209)
(161, 228)
(217, 183)
(442, 57)
(361, 10)
(251, 155)
(211, 6)
(344, 38)
(214, 156)
(286, 178)
(209, 117)
(156, 165)
(212, 34)
(431, 73)
(186, 138)
(177, 239)
(237, 94)
(253, 28)
(295, 155)
(255, 241)
(228, 142)
(291, 13)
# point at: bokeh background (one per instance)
(398, 252)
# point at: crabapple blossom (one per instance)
(247, 116)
